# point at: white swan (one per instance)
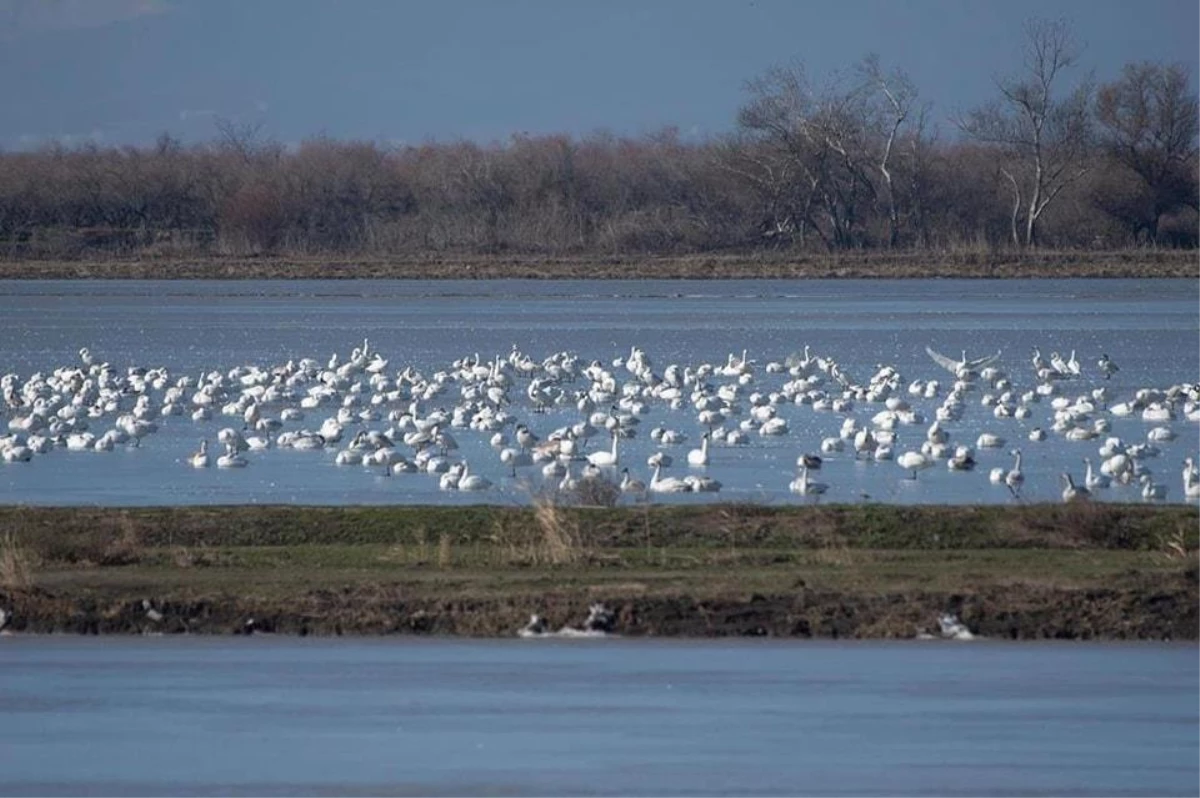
(1157, 411)
(659, 484)
(1073, 492)
(963, 368)
(450, 477)
(913, 462)
(469, 481)
(569, 482)
(989, 440)
(18, 453)
(962, 460)
(200, 459)
(1073, 366)
(1191, 479)
(804, 487)
(231, 437)
(515, 458)
(660, 459)
(1152, 491)
(864, 442)
(258, 442)
(1016, 477)
(605, 458)
(702, 484)
(631, 485)
(699, 457)
(1091, 479)
(670, 437)
(1161, 435)
(231, 459)
(809, 461)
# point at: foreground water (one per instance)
(264, 716)
(1148, 327)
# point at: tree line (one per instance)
(854, 162)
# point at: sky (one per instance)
(121, 72)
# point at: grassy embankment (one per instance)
(1080, 571)
(974, 264)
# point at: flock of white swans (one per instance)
(402, 421)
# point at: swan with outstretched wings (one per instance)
(964, 367)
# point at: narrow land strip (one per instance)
(759, 265)
(1054, 571)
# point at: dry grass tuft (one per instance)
(126, 548)
(16, 567)
(1174, 546)
(560, 543)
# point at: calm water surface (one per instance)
(1149, 327)
(173, 716)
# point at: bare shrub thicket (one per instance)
(846, 163)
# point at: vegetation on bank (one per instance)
(863, 571)
(82, 534)
(852, 164)
(1134, 263)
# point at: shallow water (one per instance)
(1148, 327)
(265, 716)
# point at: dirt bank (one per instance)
(1123, 263)
(1015, 612)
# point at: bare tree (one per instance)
(775, 153)
(895, 108)
(809, 152)
(243, 138)
(1150, 123)
(1046, 140)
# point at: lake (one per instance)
(268, 716)
(187, 329)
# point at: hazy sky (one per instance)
(121, 71)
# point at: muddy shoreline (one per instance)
(759, 265)
(1019, 612)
